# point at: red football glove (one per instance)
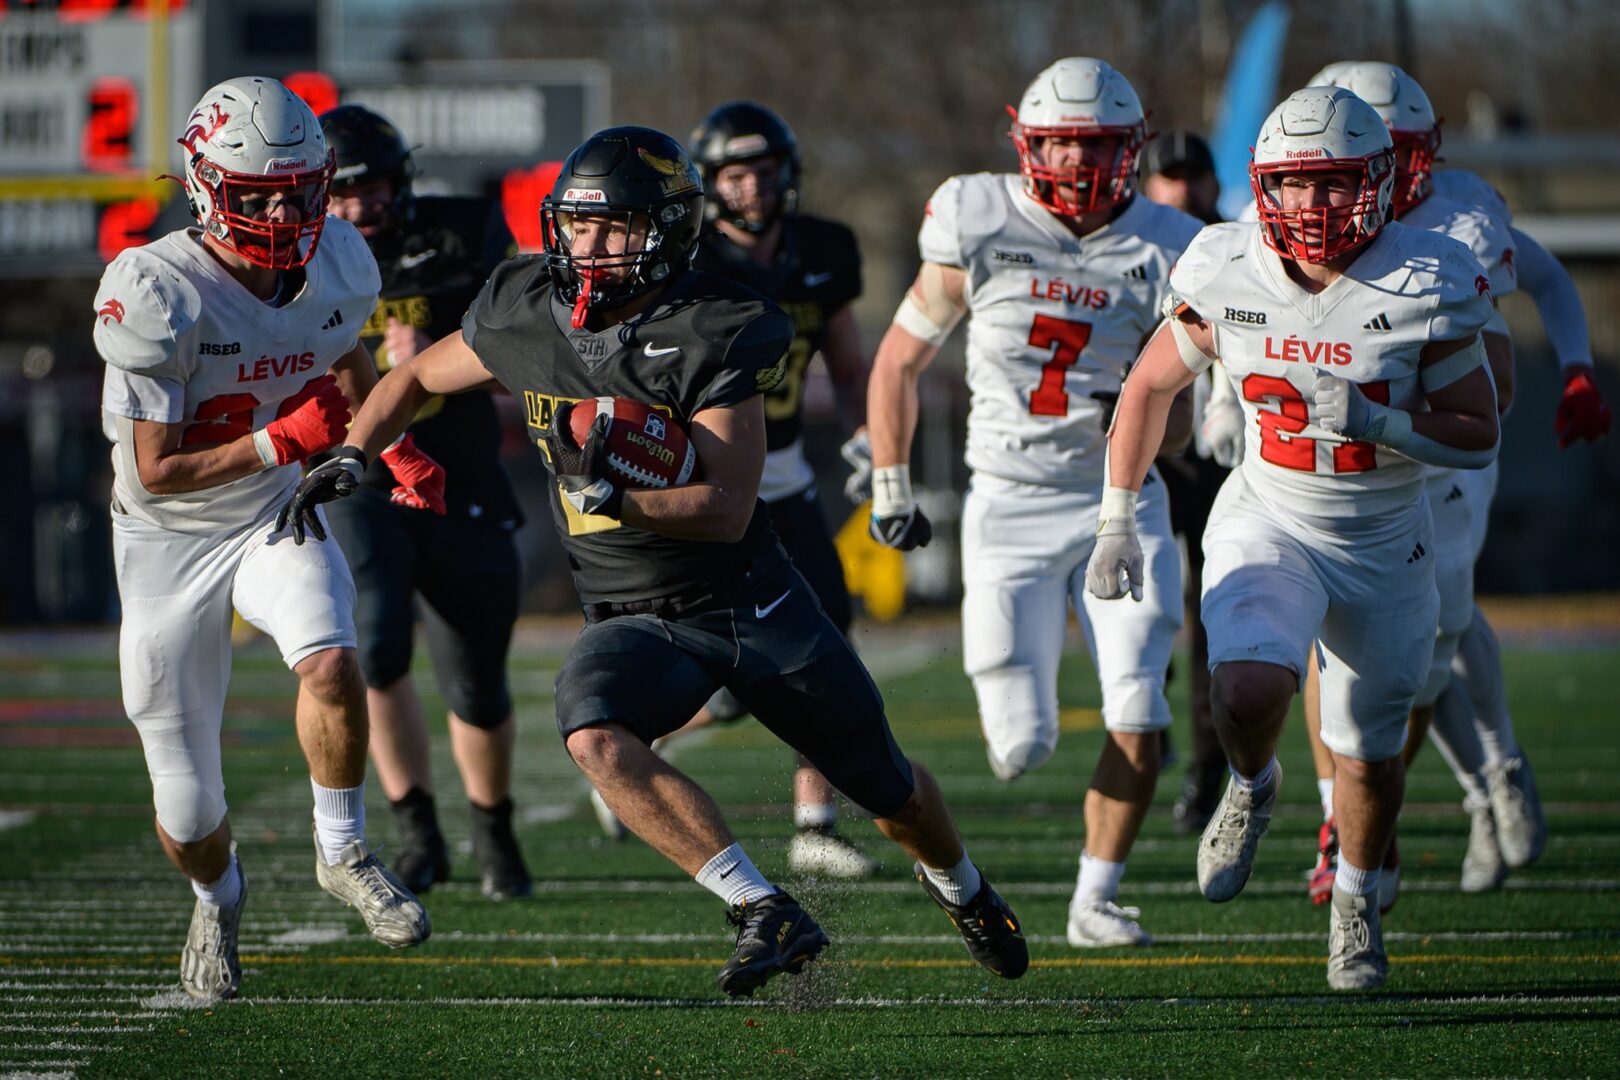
(310, 422)
(421, 479)
(1582, 412)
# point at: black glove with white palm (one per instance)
(897, 520)
(1116, 564)
(581, 470)
(335, 478)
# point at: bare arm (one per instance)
(355, 374)
(1461, 415)
(166, 467)
(1499, 354)
(891, 397)
(447, 366)
(846, 366)
(1148, 398)
(730, 444)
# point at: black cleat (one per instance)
(504, 876)
(774, 934)
(424, 858)
(988, 927)
(1199, 796)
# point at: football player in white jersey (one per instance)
(1460, 502)
(218, 342)
(1324, 532)
(1062, 268)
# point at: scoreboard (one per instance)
(90, 94)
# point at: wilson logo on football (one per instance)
(575, 194)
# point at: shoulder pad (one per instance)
(144, 305)
(347, 259)
(962, 214)
(1203, 260)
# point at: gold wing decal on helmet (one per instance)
(677, 177)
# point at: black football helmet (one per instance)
(368, 147)
(641, 176)
(742, 131)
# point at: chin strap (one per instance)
(583, 303)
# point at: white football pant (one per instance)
(1024, 553)
(174, 646)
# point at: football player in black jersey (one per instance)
(434, 253)
(749, 160)
(684, 589)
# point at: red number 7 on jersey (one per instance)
(1050, 398)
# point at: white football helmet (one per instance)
(1398, 98)
(252, 147)
(1315, 130)
(1079, 97)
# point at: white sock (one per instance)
(1324, 788)
(340, 818)
(814, 815)
(226, 891)
(1259, 780)
(1099, 879)
(733, 877)
(960, 883)
(1354, 880)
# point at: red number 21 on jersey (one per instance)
(1280, 441)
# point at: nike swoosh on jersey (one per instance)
(652, 352)
(408, 261)
(761, 612)
(812, 280)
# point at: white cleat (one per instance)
(391, 911)
(1483, 868)
(612, 827)
(1103, 924)
(1356, 959)
(1226, 850)
(823, 853)
(1521, 827)
(209, 968)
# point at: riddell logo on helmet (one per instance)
(1318, 153)
(747, 146)
(575, 194)
(287, 164)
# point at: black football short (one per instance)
(798, 521)
(466, 570)
(771, 644)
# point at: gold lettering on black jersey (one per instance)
(410, 310)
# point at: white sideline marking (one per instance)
(12, 819)
(311, 935)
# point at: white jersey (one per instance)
(1405, 289)
(1056, 319)
(1471, 189)
(185, 342)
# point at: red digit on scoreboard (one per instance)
(109, 131)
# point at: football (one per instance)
(645, 448)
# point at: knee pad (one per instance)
(385, 655)
(484, 707)
(1018, 760)
(186, 809)
(1019, 720)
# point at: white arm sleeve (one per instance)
(1550, 286)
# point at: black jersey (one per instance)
(816, 272)
(707, 343)
(431, 271)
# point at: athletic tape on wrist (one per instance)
(265, 448)
(1118, 505)
(891, 491)
(1388, 427)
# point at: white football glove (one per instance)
(1339, 406)
(1222, 432)
(858, 452)
(1118, 552)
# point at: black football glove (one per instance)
(334, 478)
(911, 529)
(580, 469)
